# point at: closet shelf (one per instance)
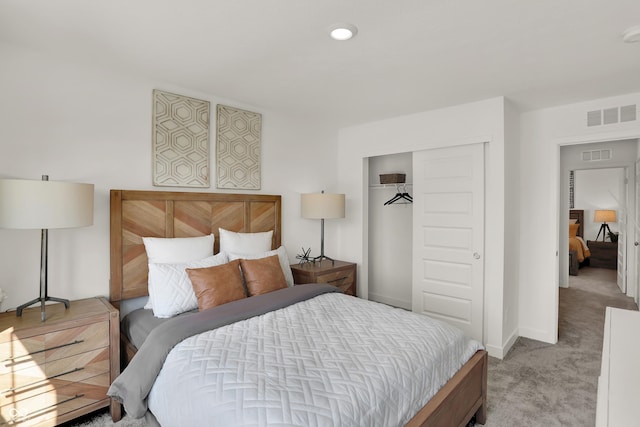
(383, 186)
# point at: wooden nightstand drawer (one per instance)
(54, 371)
(19, 354)
(37, 378)
(50, 406)
(339, 273)
(343, 279)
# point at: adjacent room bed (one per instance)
(293, 355)
(578, 250)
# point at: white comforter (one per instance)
(334, 360)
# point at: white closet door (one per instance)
(448, 243)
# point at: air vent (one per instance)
(596, 155)
(609, 116)
(628, 113)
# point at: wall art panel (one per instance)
(180, 140)
(238, 140)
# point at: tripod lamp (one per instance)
(31, 204)
(604, 216)
(322, 206)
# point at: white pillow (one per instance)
(170, 288)
(245, 243)
(178, 249)
(282, 257)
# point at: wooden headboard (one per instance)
(579, 215)
(137, 214)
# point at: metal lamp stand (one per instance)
(322, 256)
(604, 228)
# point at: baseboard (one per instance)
(538, 335)
(500, 352)
(390, 301)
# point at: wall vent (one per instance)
(596, 155)
(608, 116)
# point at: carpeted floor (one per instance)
(537, 384)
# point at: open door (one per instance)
(622, 234)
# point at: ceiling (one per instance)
(408, 56)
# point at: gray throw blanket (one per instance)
(132, 387)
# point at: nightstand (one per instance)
(339, 273)
(57, 370)
(603, 254)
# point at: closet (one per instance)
(426, 235)
(390, 231)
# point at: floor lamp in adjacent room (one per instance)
(31, 204)
(604, 216)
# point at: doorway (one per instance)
(615, 158)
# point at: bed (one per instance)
(578, 250)
(135, 214)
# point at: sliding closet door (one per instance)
(448, 242)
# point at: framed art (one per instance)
(238, 140)
(180, 140)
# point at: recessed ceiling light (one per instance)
(631, 35)
(343, 32)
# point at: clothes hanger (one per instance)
(400, 196)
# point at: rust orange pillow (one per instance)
(573, 230)
(263, 275)
(217, 285)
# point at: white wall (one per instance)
(542, 213)
(390, 233)
(512, 226)
(78, 123)
(464, 124)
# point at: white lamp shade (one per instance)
(604, 216)
(322, 206)
(30, 204)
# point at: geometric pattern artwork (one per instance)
(238, 148)
(180, 140)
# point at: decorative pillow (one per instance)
(245, 243)
(217, 285)
(283, 258)
(573, 230)
(170, 288)
(262, 275)
(178, 249)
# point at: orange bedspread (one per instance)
(576, 245)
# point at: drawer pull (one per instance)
(18, 416)
(339, 279)
(10, 359)
(14, 389)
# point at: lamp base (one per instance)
(319, 258)
(604, 229)
(41, 300)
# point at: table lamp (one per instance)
(32, 204)
(322, 206)
(604, 216)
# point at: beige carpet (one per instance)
(546, 385)
(537, 384)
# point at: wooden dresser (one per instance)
(339, 273)
(603, 254)
(57, 370)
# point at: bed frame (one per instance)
(135, 214)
